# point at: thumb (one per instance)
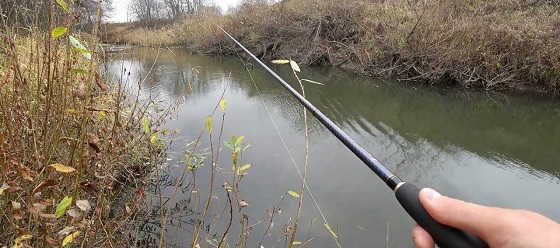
(476, 219)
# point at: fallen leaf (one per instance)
(68, 239)
(50, 241)
(20, 239)
(4, 187)
(39, 207)
(281, 61)
(313, 82)
(47, 216)
(16, 205)
(66, 230)
(62, 168)
(74, 213)
(43, 185)
(73, 112)
(83, 205)
(25, 172)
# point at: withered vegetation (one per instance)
(488, 44)
(70, 139)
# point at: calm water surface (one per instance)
(490, 149)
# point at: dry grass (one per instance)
(494, 44)
(66, 132)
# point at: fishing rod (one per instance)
(406, 193)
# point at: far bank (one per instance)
(496, 45)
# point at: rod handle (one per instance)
(444, 236)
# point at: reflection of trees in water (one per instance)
(419, 159)
(479, 123)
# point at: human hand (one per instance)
(498, 227)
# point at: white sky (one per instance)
(120, 6)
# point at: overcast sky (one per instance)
(120, 6)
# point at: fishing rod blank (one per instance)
(406, 193)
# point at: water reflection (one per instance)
(486, 148)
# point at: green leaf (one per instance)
(209, 123)
(281, 61)
(246, 147)
(243, 168)
(146, 125)
(154, 139)
(238, 140)
(79, 71)
(76, 44)
(61, 207)
(63, 5)
(293, 193)
(223, 104)
(228, 145)
(58, 31)
(294, 66)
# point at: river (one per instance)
(489, 148)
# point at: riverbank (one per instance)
(492, 45)
(71, 142)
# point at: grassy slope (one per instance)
(491, 44)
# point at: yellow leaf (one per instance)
(68, 239)
(281, 61)
(239, 140)
(296, 243)
(3, 187)
(17, 242)
(293, 193)
(72, 111)
(209, 123)
(102, 114)
(62, 4)
(242, 168)
(330, 230)
(294, 66)
(223, 104)
(313, 82)
(62, 168)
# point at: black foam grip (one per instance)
(444, 236)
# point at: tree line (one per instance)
(149, 11)
(34, 13)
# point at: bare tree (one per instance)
(148, 11)
(27, 13)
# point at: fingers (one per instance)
(476, 219)
(421, 238)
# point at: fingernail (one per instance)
(432, 194)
